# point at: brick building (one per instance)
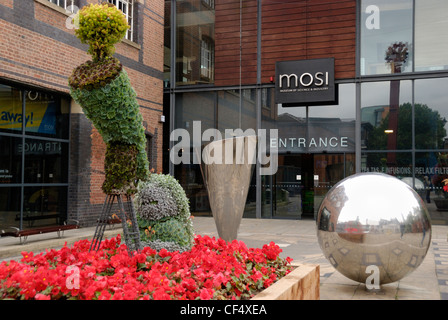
(51, 164)
(389, 114)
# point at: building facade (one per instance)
(51, 159)
(391, 79)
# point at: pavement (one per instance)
(298, 240)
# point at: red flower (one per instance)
(160, 294)
(256, 276)
(213, 267)
(40, 296)
(104, 295)
(189, 284)
(206, 294)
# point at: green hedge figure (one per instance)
(103, 89)
(163, 214)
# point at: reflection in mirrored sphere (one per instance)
(373, 219)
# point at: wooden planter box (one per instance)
(300, 284)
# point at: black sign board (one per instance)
(305, 83)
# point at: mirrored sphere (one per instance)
(373, 219)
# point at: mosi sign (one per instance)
(305, 82)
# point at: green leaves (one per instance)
(171, 229)
(115, 113)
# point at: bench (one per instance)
(33, 217)
(23, 234)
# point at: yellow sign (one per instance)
(38, 118)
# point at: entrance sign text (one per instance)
(305, 82)
(321, 142)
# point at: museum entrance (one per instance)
(301, 182)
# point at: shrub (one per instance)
(101, 26)
(155, 203)
(163, 213)
(170, 229)
(168, 182)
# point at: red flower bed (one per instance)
(212, 269)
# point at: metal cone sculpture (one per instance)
(227, 167)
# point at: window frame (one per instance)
(25, 137)
(68, 5)
(383, 76)
(129, 5)
(207, 58)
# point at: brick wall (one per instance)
(38, 50)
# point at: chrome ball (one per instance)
(373, 219)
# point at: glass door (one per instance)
(301, 183)
(288, 193)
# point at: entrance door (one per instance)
(301, 183)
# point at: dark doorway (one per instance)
(301, 182)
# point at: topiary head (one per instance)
(101, 26)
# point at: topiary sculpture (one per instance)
(163, 214)
(103, 89)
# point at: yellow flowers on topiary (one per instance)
(101, 26)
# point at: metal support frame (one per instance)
(128, 221)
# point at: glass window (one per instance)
(195, 23)
(316, 128)
(46, 114)
(431, 169)
(66, 4)
(398, 164)
(221, 110)
(386, 115)
(333, 127)
(196, 106)
(316, 147)
(207, 56)
(10, 160)
(431, 38)
(236, 111)
(10, 109)
(386, 36)
(44, 206)
(45, 157)
(9, 207)
(45, 161)
(431, 114)
(210, 3)
(127, 7)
